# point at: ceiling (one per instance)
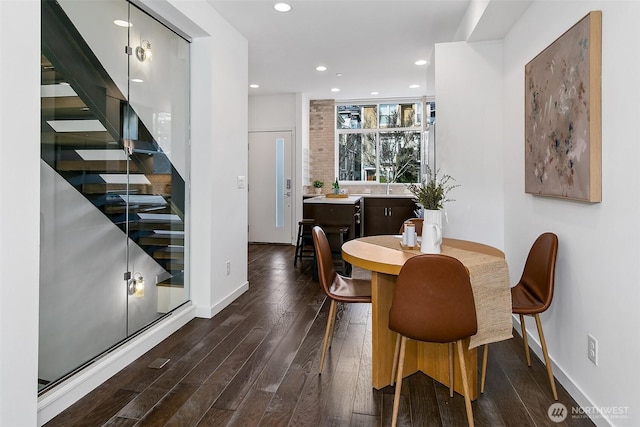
(373, 44)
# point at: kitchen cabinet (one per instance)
(332, 213)
(385, 215)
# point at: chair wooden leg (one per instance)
(525, 340)
(465, 384)
(333, 325)
(546, 357)
(451, 379)
(328, 331)
(483, 376)
(396, 354)
(396, 399)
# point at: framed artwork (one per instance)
(563, 115)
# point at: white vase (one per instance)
(433, 217)
(431, 232)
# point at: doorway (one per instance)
(271, 189)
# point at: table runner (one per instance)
(490, 283)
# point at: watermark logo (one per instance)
(557, 412)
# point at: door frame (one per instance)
(295, 206)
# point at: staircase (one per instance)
(84, 120)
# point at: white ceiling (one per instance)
(373, 43)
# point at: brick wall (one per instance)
(322, 141)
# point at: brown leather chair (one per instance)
(433, 302)
(337, 288)
(533, 295)
(417, 222)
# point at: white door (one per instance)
(270, 187)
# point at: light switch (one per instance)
(240, 181)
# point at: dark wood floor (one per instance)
(256, 362)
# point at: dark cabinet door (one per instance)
(385, 215)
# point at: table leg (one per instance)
(430, 358)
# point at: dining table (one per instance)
(384, 256)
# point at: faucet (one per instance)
(388, 189)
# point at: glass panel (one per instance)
(82, 258)
(400, 157)
(357, 157)
(370, 114)
(279, 182)
(410, 115)
(349, 117)
(157, 120)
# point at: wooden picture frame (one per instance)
(563, 123)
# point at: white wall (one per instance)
(219, 218)
(19, 207)
(598, 273)
(469, 138)
(285, 112)
(219, 75)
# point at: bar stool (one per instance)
(304, 241)
(343, 235)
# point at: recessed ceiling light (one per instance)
(321, 68)
(414, 86)
(122, 23)
(421, 62)
(137, 80)
(375, 93)
(282, 7)
(254, 86)
(335, 89)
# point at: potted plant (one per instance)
(317, 184)
(432, 194)
(336, 187)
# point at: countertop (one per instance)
(350, 200)
(365, 196)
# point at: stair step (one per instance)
(175, 265)
(162, 239)
(170, 252)
(106, 187)
(80, 140)
(177, 280)
(110, 166)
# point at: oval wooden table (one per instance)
(384, 257)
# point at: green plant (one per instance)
(318, 184)
(432, 192)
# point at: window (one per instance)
(382, 142)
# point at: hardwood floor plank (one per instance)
(422, 399)
(284, 401)
(339, 402)
(242, 382)
(367, 400)
(168, 405)
(251, 409)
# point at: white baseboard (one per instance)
(575, 392)
(209, 312)
(61, 397)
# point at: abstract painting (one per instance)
(563, 115)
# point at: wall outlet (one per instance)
(592, 349)
(228, 268)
